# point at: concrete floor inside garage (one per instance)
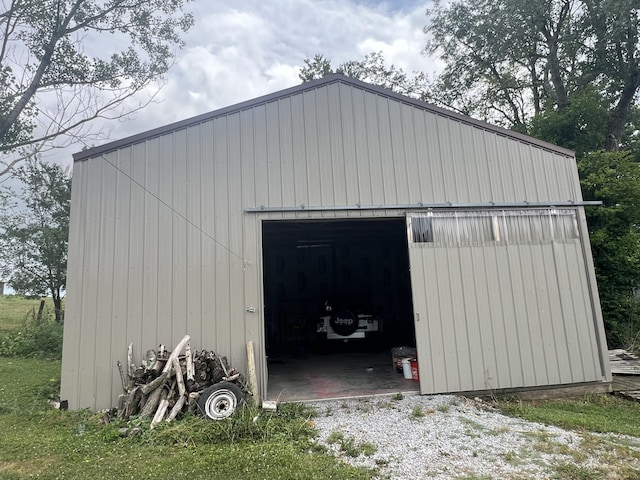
(338, 375)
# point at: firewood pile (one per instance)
(167, 384)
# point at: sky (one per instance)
(240, 50)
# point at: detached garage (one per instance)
(329, 223)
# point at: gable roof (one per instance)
(336, 78)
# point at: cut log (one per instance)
(180, 381)
(189, 357)
(151, 405)
(130, 365)
(123, 378)
(177, 408)
(132, 404)
(176, 353)
(154, 384)
(251, 373)
(162, 409)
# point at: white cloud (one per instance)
(239, 51)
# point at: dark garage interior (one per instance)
(337, 299)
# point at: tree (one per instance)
(34, 231)
(371, 69)
(64, 63)
(510, 60)
(614, 231)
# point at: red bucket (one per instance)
(415, 375)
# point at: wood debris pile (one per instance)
(169, 383)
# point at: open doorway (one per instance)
(337, 300)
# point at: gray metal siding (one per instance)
(503, 317)
(161, 246)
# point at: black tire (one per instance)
(220, 400)
(344, 322)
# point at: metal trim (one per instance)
(420, 206)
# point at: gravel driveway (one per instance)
(443, 437)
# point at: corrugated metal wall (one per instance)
(509, 316)
(160, 244)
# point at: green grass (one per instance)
(21, 335)
(16, 310)
(39, 442)
(350, 446)
(596, 413)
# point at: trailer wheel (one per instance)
(220, 400)
(344, 322)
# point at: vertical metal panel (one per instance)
(87, 375)
(286, 159)
(194, 236)
(349, 156)
(311, 142)
(299, 150)
(386, 175)
(493, 165)
(235, 284)
(151, 277)
(177, 282)
(338, 183)
(470, 325)
(129, 211)
(459, 162)
(207, 260)
(411, 168)
(136, 248)
(165, 250)
(274, 160)
(106, 330)
(502, 363)
(374, 159)
(223, 312)
(325, 162)
(75, 285)
(503, 274)
(363, 163)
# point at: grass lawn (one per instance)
(593, 413)
(15, 310)
(610, 428)
(38, 442)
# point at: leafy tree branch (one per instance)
(64, 63)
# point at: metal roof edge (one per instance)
(335, 78)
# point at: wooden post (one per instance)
(155, 383)
(251, 374)
(189, 357)
(152, 403)
(162, 409)
(176, 353)
(131, 367)
(179, 379)
(40, 310)
(177, 408)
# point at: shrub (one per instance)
(42, 340)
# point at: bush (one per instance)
(41, 340)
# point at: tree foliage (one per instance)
(34, 230)
(614, 230)
(371, 69)
(64, 63)
(510, 60)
